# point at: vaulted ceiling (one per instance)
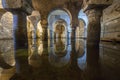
(45, 6)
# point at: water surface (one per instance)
(59, 60)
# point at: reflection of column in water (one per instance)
(21, 59)
(68, 41)
(40, 46)
(7, 61)
(93, 67)
(7, 52)
(22, 67)
(35, 53)
(20, 30)
(59, 61)
(92, 55)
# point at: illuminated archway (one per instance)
(56, 16)
(81, 31)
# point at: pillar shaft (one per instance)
(45, 33)
(20, 30)
(73, 33)
(51, 34)
(94, 27)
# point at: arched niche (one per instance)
(60, 29)
(81, 31)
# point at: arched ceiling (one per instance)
(59, 12)
(45, 6)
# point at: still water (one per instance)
(59, 60)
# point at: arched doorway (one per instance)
(56, 16)
(81, 31)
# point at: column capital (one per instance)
(94, 28)
(19, 5)
(34, 18)
(101, 4)
(93, 14)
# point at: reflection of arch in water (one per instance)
(82, 62)
(60, 47)
(82, 55)
(59, 61)
(6, 64)
(79, 47)
(7, 53)
(9, 59)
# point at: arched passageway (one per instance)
(59, 18)
(60, 30)
(81, 30)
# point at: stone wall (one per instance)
(7, 52)
(110, 60)
(6, 24)
(110, 29)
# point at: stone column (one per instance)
(34, 18)
(73, 33)
(94, 27)
(51, 34)
(45, 29)
(74, 24)
(93, 65)
(20, 30)
(45, 34)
